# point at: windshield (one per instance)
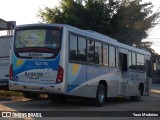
(37, 42)
(41, 37)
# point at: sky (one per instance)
(25, 11)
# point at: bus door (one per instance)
(123, 66)
(148, 81)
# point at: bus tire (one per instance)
(30, 95)
(137, 98)
(100, 96)
(56, 98)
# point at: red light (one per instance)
(11, 72)
(59, 75)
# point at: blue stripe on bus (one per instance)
(25, 65)
(86, 73)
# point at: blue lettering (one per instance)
(41, 63)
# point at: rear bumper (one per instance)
(37, 87)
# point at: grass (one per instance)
(4, 93)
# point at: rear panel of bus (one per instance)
(35, 59)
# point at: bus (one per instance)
(6, 37)
(5, 45)
(64, 61)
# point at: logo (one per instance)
(6, 114)
(20, 114)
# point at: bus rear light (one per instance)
(59, 75)
(11, 72)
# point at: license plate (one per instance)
(33, 74)
(33, 80)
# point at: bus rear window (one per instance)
(42, 37)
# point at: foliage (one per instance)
(147, 46)
(127, 21)
(131, 22)
(4, 93)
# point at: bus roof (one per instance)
(93, 35)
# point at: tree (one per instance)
(127, 21)
(131, 22)
(147, 47)
(69, 12)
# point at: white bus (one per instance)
(5, 45)
(64, 61)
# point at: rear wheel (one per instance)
(137, 98)
(100, 96)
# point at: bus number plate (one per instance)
(33, 74)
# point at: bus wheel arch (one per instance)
(140, 91)
(105, 85)
(101, 94)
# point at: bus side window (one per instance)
(82, 52)
(105, 55)
(112, 56)
(73, 47)
(130, 60)
(98, 53)
(91, 51)
(140, 62)
(134, 65)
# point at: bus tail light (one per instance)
(11, 72)
(59, 75)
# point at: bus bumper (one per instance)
(37, 87)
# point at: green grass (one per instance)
(4, 93)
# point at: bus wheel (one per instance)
(137, 98)
(56, 98)
(100, 96)
(30, 95)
